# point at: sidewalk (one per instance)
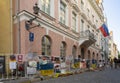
(37, 78)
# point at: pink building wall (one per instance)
(40, 32)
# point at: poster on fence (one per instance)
(13, 65)
(63, 68)
(46, 69)
(76, 63)
(2, 64)
(31, 70)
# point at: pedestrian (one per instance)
(100, 65)
(115, 61)
(111, 63)
(88, 64)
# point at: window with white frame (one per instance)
(88, 12)
(97, 43)
(93, 18)
(46, 6)
(82, 26)
(76, 1)
(74, 21)
(96, 23)
(88, 27)
(63, 51)
(46, 46)
(82, 5)
(62, 12)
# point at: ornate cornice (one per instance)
(96, 8)
(44, 23)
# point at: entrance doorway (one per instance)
(82, 53)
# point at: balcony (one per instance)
(87, 38)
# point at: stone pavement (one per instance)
(104, 76)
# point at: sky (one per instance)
(112, 12)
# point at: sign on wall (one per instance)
(31, 36)
(20, 58)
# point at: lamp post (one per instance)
(28, 23)
(36, 9)
(28, 26)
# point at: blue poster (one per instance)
(47, 66)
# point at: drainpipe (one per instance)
(19, 30)
(18, 26)
(11, 28)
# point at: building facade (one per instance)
(67, 28)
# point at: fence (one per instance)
(19, 65)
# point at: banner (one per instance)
(46, 69)
(13, 65)
(47, 72)
(31, 70)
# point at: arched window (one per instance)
(74, 50)
(46, 46)
(63, 50)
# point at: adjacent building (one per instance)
(113, 50)
(6, 37)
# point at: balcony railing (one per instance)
(87, 34)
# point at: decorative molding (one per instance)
(47, 15)
(75, 32)
(96, 8)
(45, 24)
(75, 7)
(63, 25)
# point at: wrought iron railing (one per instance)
(88, 34)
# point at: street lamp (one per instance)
(36, 9)
(28, 23)
(28, 26)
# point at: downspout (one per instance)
(18, 26)
(11, 28)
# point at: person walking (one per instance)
(115, 62)
(111, 63)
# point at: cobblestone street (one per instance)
(105, 76)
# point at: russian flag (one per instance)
(104, 30)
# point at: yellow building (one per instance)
(6, 41)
